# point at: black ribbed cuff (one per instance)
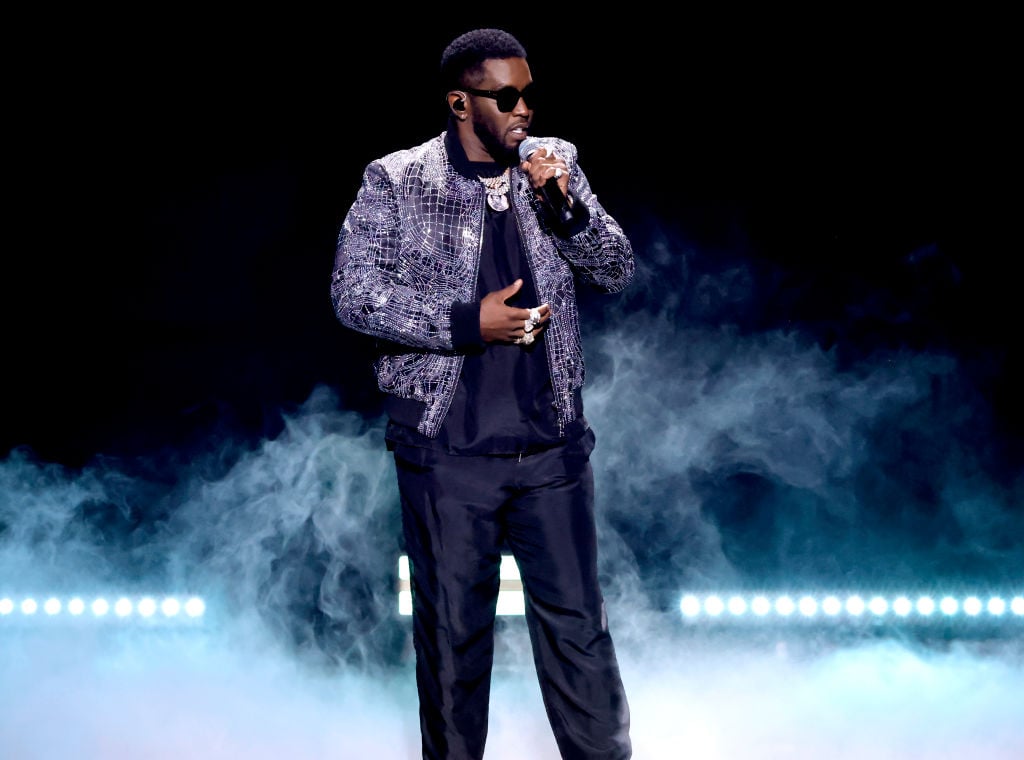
(466, 325)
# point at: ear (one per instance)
(457, 104)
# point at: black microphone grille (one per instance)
(528, 146)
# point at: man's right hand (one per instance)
(500, 322)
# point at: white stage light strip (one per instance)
(123, 608)
(805, 606)
(851, 606)
(510, 588)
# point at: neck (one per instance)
(477, 150)
(467, 165)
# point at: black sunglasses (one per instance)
(508, 97)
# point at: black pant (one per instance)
(457, 514)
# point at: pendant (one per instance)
(497, 201)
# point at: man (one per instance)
(461, 259)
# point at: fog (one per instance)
(726, 459)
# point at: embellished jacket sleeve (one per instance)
(596, 247)
(387, 281)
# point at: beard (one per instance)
(494, 146)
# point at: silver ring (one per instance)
(528, 326)
(558, 173)
(535, 315)
(527, 339)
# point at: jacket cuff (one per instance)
(466, 325)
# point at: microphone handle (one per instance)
(557, 201)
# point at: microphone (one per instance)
(554, 198)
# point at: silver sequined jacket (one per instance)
(409, 248)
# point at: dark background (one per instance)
(813, 379)
(176, 188)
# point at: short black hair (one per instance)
(467, 53)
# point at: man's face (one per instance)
(500, 132)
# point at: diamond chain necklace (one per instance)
(497, 190)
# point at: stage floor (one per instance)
(92, 694)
